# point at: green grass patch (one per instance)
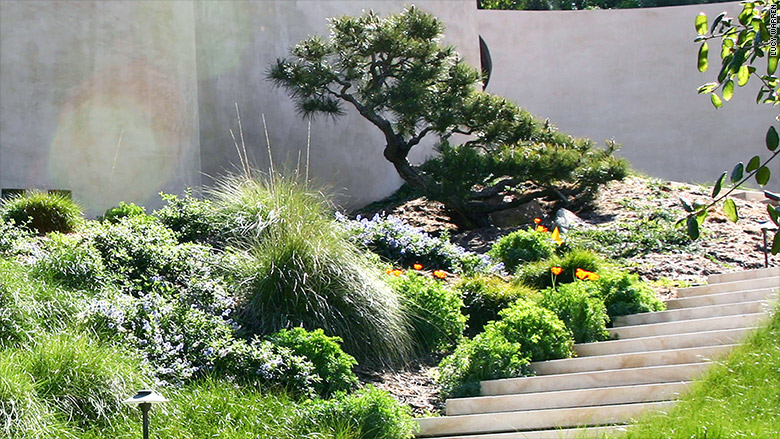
(738, 398)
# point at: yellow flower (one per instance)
(417, 266)
(556, 270)
(556, 236)
(541, 228)
(584, 274)
(440, 274)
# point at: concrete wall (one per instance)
(628, 75)
(118, 100)
(78, 76)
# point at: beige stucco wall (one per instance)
(76, 76)
(118, 100)
(164, 77)
(629, 75)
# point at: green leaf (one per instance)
(746, 14)
(743, 76)
(701, 23)
(716, 100)
(762, 176)
(773, 213)
(730, 209)
(772, 139)
(716, 21)
(704, 49)
(776, 244)
(771, 64)
(718, 185)
(686, 204)
(693, 228)
(708, 87)
(728, 90)
(753, 164)
(736, 173)
(725, 48)
(701, 216)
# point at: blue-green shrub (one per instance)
(483, 298)
(435, 311)
(193, 219)
(369, 413)
(70, 261)
(332, 364)
(41, 212)
(403, 245)
(522, 246)
(580, 308)
(526, 332)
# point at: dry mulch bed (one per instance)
(724, 246)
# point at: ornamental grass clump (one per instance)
(298, 269)
(41, 212)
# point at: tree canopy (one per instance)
(396, 72)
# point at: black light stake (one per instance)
(144, 399)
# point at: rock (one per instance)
(566, 219)
(523, 214)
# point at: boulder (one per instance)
(523, 214)
(565, 220)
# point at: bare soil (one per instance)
(724, 246)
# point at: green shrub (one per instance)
(42, 213)
(123, 210)
(369, 413)
(580, 308)
(70, 261)
(134, 248)
(625, 294)
(522, 246)
(333, 366)
(10, 235)
(193, 219)
(538, 274)
(84, 381)
(483, 297)
(434, 310)
(525, 333)
(299, 270)
(488, 356)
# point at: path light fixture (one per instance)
(144, 400)
(766, 226)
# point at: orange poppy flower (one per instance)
(417, 266)
(556, 270)
(584, 274)
(394, 272)
(440, 274)
(537, 220)
(541, 229)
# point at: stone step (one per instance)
(662, 342)
(743, 275)
(699, 312)
(535, 419)
(726, 287)
(601, 378)
(630, 360)
(560, 433)
(686, 326)
(722, 298)
(566, 398)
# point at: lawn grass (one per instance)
(737, 398)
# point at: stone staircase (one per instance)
(652, 359)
